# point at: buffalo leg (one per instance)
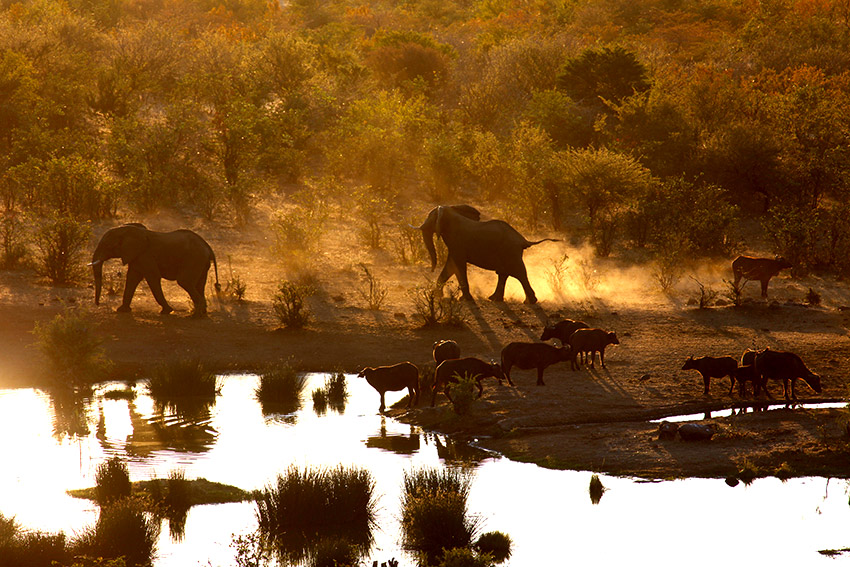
(602, 357)
(383, 406)
(540, 376)
(706, 380)
(764, 288)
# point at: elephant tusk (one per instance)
(414, 226)
(97, 263)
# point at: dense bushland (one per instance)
(589, 117)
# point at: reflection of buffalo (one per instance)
(449, 371)
(532, 355)
(394, 378)
(761, 269)
(710, 367)
(785, 366)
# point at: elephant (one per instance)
(179, 255)
(493, 245)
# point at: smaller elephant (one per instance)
(180, 256)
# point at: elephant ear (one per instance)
(133, 244)
(467, 211)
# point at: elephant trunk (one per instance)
(428, 237)
(97, 269)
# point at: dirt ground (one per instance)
(591, 419)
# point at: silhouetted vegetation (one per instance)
(112, 478)
(588, 117)
(280, 388)
(73, 348)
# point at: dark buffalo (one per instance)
(742, 375)
(761, 269)
(532, 355)
(444, 350)
(562, 330)
(785, 366)
(591, 341)
(394, 378)
(713, 367)
(450, 370)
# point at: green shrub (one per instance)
(72, 347)
(496, 544)
(304, 506)
(60, 241)
(112, 481)
(462, 394)
(289, 307)
(281, 386)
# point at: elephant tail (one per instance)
(215, 266)
(529, 243)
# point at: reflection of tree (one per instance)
(70, 412)
(400, 444)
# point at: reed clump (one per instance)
(304, 506)
(434, 511)
(495, 544)
(122, 530)
(112, 481)
(280, 387)
(20, 547)
(180, 379)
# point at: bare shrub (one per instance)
(734, 292)
(408, 247)
(438, 306)
(12, 237)
(289, 307)
(706, 294)
(587, 275)
(556, 274)
(371, 289)
(60, 241)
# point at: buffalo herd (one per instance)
(579, 345)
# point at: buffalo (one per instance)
(761, 269)
(394, 378)
(444, 350)
(591, 341)
(450, 370)
(710, 367)
(785, 366)
(532, 355)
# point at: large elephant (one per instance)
(179, 255)
(493, 245)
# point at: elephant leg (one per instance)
(134, 277)
(447, 272)
(463, 281)
(499, 294)
(196, 293)
(156, 288)
(522, 276)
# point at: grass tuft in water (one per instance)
(320, 401)
(434, 511)
(333, 394)
(181, 379)
(496, 544)
(30, 548)
(112, 479)
(280, 389)
(306, 505)
(596, 489)
(122, 530)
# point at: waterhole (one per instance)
(48, 446)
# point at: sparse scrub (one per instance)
(304, 506)
(12, 238)
(812, 297)
(73, 349)
(438, 306)
(734, 292)
(281, 387)
(298, 230)
(587, 274)
(235, 287)
(373, 292)
(407, 246)
(112, 479)
(668, 265)
(60, 241)
(557, 273)
(372, 209)
(706, 294)
(289, 307)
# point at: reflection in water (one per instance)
(70, 412)
(399, 444)
(234, 443)
(596, 489)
